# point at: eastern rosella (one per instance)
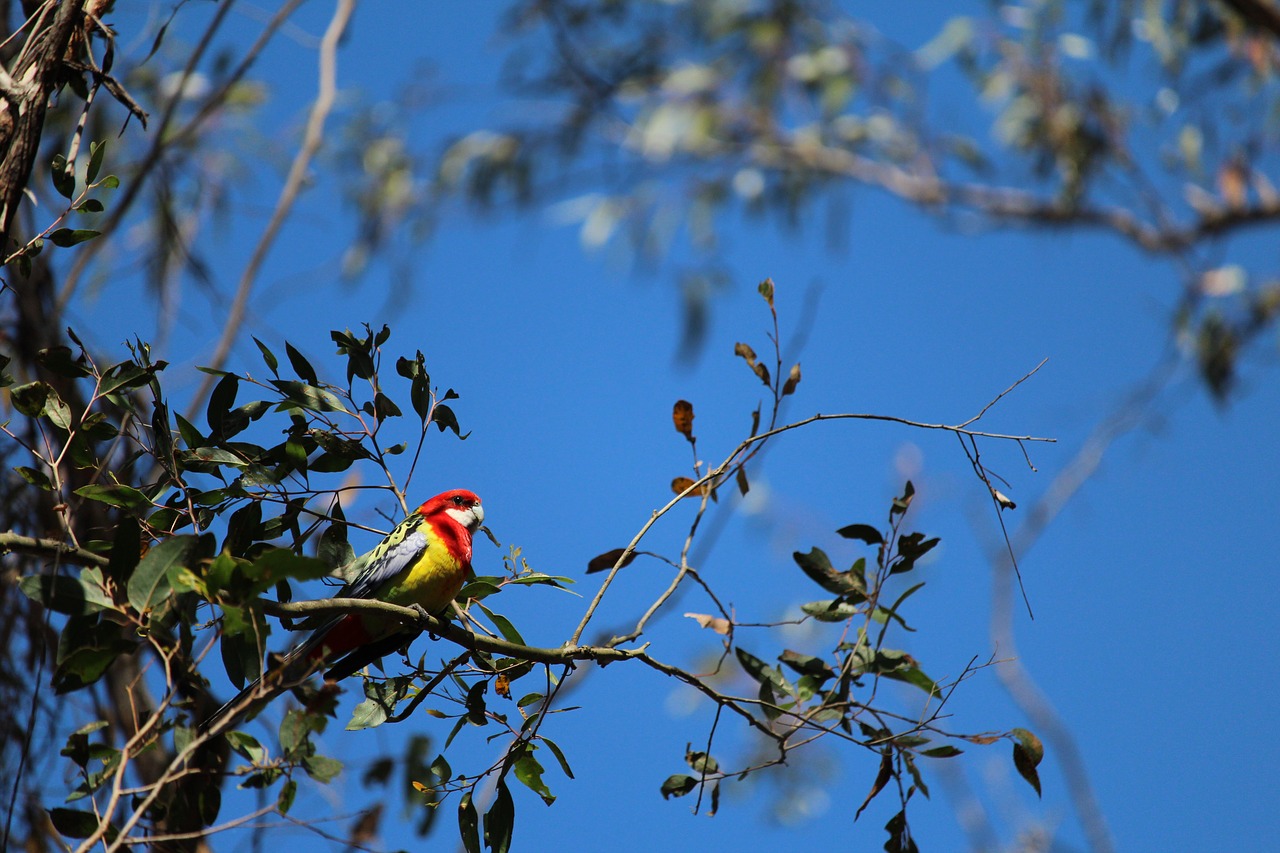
(423, 561)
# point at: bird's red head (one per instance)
(459, 504)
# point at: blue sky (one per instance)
(1154, 591)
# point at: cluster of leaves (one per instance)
(806, 695)
(189, 527)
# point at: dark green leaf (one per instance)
(35, 478)
(115, 494)
(677, 786)
(220, 403)
(947, 751)
(60, 361)
(500, 820)
(76, 824)
(818, 567)
(288, 792)
(301, 366)
(268, 357)
(555, 750)
(307, 397)
(864, 532)
(72, 596)
(322, 768)
(149, 583)
(445, 419)
(900, 840)
(66, 237)
(96, 152)
(64, 180)
(469, 824)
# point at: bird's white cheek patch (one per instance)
(469, 518)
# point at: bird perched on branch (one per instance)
(423, 561)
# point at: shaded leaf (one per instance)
(469, 824)
(149, 583)
(863, 532)
(677, 786)
(529, 772)
(606, 561)
(1028, 752)
(500, 820)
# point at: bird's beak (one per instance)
(477, 513)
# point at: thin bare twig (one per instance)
(312, 138)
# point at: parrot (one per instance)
(423, 561)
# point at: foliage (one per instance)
(147, 539)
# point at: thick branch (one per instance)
(16, 543)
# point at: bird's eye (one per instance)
(457, 499)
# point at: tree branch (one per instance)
(16, 543)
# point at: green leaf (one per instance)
(67, 237)
(677, 786)
(762, 672)
(116, 494)
(247, 745)
(947, 751)
(110, 182)
(500, 820)
(307, 397)
(322, 768)
(504, 626)
(74, 823)
(35, 478)
(529, 772)
(555, 750)
(469, 824)
(85, 649)
(1028, 752)
(288, 792)
(38, 399)
(89, 205)
(296, 728)
(72, 596)
(96, 151)
(269, 357)
(818, 567)
(807, 665)
(149, 583)
(64, 180)
(834, 610)
(379, 704)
